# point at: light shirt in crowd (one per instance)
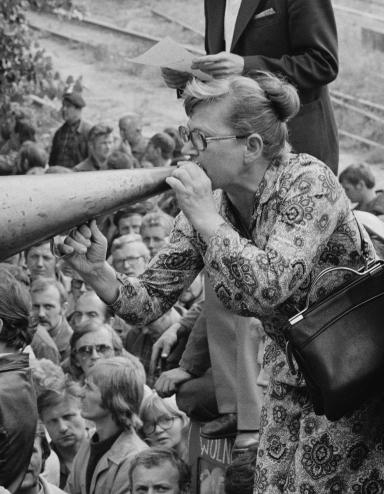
(232, 8)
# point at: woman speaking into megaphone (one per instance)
(273, 220)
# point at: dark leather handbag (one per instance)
(338, 342)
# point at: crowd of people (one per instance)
(90, 407)
(91, 411)
(112, 395)
(80, 146)
(172, 310)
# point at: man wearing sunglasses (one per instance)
(87, 351)
(294, 38)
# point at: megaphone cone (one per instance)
(37, 207)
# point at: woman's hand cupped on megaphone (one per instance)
(85, 248)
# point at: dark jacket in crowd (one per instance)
(43, 346)
(18, 419)
(70, 144)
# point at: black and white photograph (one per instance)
(191, 246)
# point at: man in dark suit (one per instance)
(294, 38)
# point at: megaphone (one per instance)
(37, 207)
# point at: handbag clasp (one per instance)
(295, 319)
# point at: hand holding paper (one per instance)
(175, 79)
(167, 53)
(222, 64)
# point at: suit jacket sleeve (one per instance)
(311, 59)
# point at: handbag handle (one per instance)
(365, 257)
(317, 279)
(370, 269)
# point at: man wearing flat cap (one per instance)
(70, 142)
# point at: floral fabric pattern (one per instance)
(300, 225)
(304, 453)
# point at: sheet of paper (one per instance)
(168, 53)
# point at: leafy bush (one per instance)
(16, 63)
(24, 67)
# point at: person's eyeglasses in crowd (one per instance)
(86, 351)
(130, 260)
(165, 422)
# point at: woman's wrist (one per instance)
(103, 280)
(207, 226)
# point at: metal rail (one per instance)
(360, 139)
(90, 21)
(65, 37)
(176, 21)
(97, 23)
(363, 102)
(338, 99)
(364, 113)
(360, 13)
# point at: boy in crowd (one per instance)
(358, 182)
(100, 143)
(113, 392)
(60, 411)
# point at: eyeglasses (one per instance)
(129, 260)
(86, 351)
(163, 422)
(200, 141)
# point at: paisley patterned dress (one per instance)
(301, 224)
